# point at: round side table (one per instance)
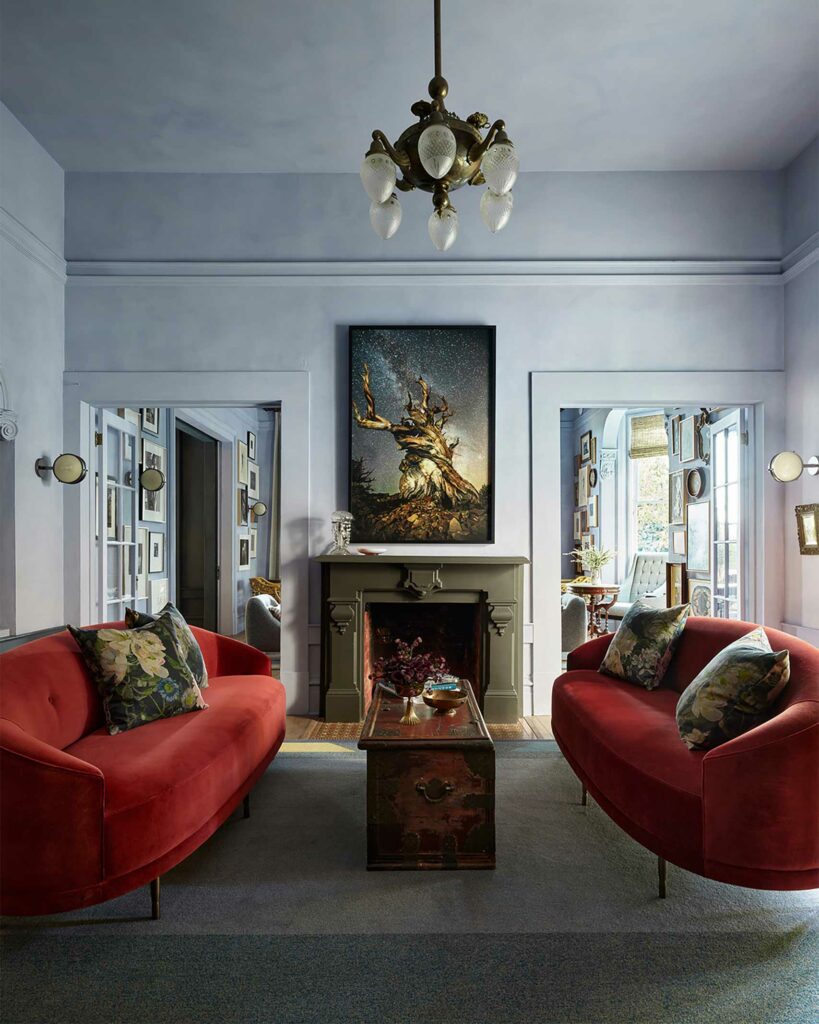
(599, 597)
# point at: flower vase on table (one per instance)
(407, 673)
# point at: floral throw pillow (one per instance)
(191, 651)
(642, 647)
(733, 693)
(141, 673)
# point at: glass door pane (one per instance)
(727, 568)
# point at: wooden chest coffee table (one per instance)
(430, 787)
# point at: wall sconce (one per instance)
(152, 479)
(785, 467)
(259, 509)
(67, 468)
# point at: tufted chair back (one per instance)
(647, 573)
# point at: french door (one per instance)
(115, 515)
(729, 444)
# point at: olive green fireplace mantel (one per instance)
(350, 583)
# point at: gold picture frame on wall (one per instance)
(585, 447)
(807, 528)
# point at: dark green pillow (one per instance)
(733, 693)
(642, 647)
(141, 673)
(191, 651)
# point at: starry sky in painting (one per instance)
(455, 363)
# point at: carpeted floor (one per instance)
(275, 919)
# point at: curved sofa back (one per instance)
(702, 639)
(46, 690)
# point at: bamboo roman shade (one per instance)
(647, 437)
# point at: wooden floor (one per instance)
(533, 727)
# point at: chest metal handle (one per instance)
(434, 791)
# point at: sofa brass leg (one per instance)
(661, 873)
(155, 899)
(584, 795)
(246, 806)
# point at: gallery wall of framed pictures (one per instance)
(586, 516)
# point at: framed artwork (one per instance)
(584, 520)
(703, 432)
(688, 444)
(593, 513)
(159, 595)
(576, 494)
(585, 447)
(578, 526)
(150, 421)
(583, 486)
(586, 541)
(675, 434)
(678, 542)
(698, 536)
(695, 483)
(593, 449)
(592, 477)
(676, 498)
(241, 506)
(154, 456)
(576, 464)
(676, 584)
(253, 542)
(156, 552)
(142, 563)
(701, 598)
(252, 479)
(111, 501)
(422, 425)
(251, 445)
(241, 462)
(807, 528)
(131, 415)
(244, 552)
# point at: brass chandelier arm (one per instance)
(478, 150)
(397, 156)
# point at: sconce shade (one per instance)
(152, 479)
(67, 468)
(785, 467)
(259, 509)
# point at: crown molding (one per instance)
(800, 258)
(426, 272)
(30, 245)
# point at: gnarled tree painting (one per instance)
(421, 421)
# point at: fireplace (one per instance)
(467, 609)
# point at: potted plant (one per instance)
(592, 560)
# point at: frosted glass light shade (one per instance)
(378, 176)
(500, 167)
(443, 228)
(785, 467)
(436, 150)
(386, 217)
(496, 210)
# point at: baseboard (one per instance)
(809, 633)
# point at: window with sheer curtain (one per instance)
(647, 483)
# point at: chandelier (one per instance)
(440, 154)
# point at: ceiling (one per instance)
(297, 86)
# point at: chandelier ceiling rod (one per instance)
(437, 38)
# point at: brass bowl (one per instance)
(445, 702)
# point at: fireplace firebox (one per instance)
(466, 608)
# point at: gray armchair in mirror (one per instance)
(263, 623)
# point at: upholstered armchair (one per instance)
(263, 623)
(645, 580)
(573, 622)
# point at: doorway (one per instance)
(197, 526)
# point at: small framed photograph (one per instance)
(131, 415)
(583, 486)
(142, 563)
(253, 541)
(156, 555)
(244, 552)
(576, 494)
(251, 445)
(594, 449)
(585, 447)
(701, 598)
(111, 502)
(807, 528)
(698, 536)
(154, 456)
(688, 442)
(150, 421)
(584, 520)
(252, 479)
(159, 595)
(578, 526)
(675, 434)
(678, 542)
(593, 514)
(241, 506)
(587, 541)
(241, 462)
(676, 498)
(676, 584)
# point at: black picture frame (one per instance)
(482, 336)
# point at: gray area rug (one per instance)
(276, 919)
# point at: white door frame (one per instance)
(83, 389)
(763, 391)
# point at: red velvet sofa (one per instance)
(85, 816)
(746, 812)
